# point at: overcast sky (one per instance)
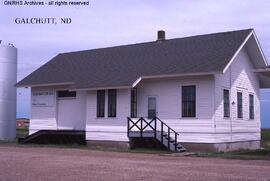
(113, 22)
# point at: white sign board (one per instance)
(43, 98)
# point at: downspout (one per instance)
(230, 101)
(215, 106)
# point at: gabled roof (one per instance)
(123, 65)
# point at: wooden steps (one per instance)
(157, 129)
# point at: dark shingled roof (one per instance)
(122, 65)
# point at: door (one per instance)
(68, 110)
(152, 107)
(67, 114)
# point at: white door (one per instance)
(152, 107)
(67, 114)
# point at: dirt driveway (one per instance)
(32, 163)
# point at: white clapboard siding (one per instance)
(186, 129)
(45, 117)
(106, 133)
(39, 124)
(246, 136)
(238, 77)
(204, 133)
(236, 137)
(168, 93)
(196, 138)
(190, 125)
(42, 117)
(109, 129)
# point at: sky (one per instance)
(116, 22)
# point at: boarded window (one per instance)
(226, 103)
(239, 105)
(112, 103)
(66, 94)
(251, 106)
(100, 103)
(133, 101)
(188, 101)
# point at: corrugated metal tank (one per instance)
(8, 79)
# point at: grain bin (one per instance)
(8, 78)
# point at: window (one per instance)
(251, 106)
(226, 103)
(100, 103)
(66, 94)
(239, 105)
(133, 101)
(112, 103)
(188, 101)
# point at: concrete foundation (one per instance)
(194, 147)
(116, 145)
(222, 147)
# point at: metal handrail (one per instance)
(167, 125)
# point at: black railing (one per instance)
(142, 124)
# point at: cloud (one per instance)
(114, 22)
(106, 23)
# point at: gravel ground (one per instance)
(36, 163)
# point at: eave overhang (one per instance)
(135, 83)
(45, 84)
(264, 77)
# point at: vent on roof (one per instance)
(161, 35)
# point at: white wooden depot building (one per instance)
(203, 90)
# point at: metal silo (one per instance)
(8, 78)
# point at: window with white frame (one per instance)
(112, 102)
(226, 103)
(133, 103)
(239, 105)
(189, 101)
(100, 103)
(251, 106)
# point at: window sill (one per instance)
(106, 117)
(65, 98)
(189, 118)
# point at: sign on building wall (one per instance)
(43, 98)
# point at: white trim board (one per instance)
(46, 85)
(240, 48)
(260, 48)
(171, 76)
(237, 52)
(100, 88)
(261, 70)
